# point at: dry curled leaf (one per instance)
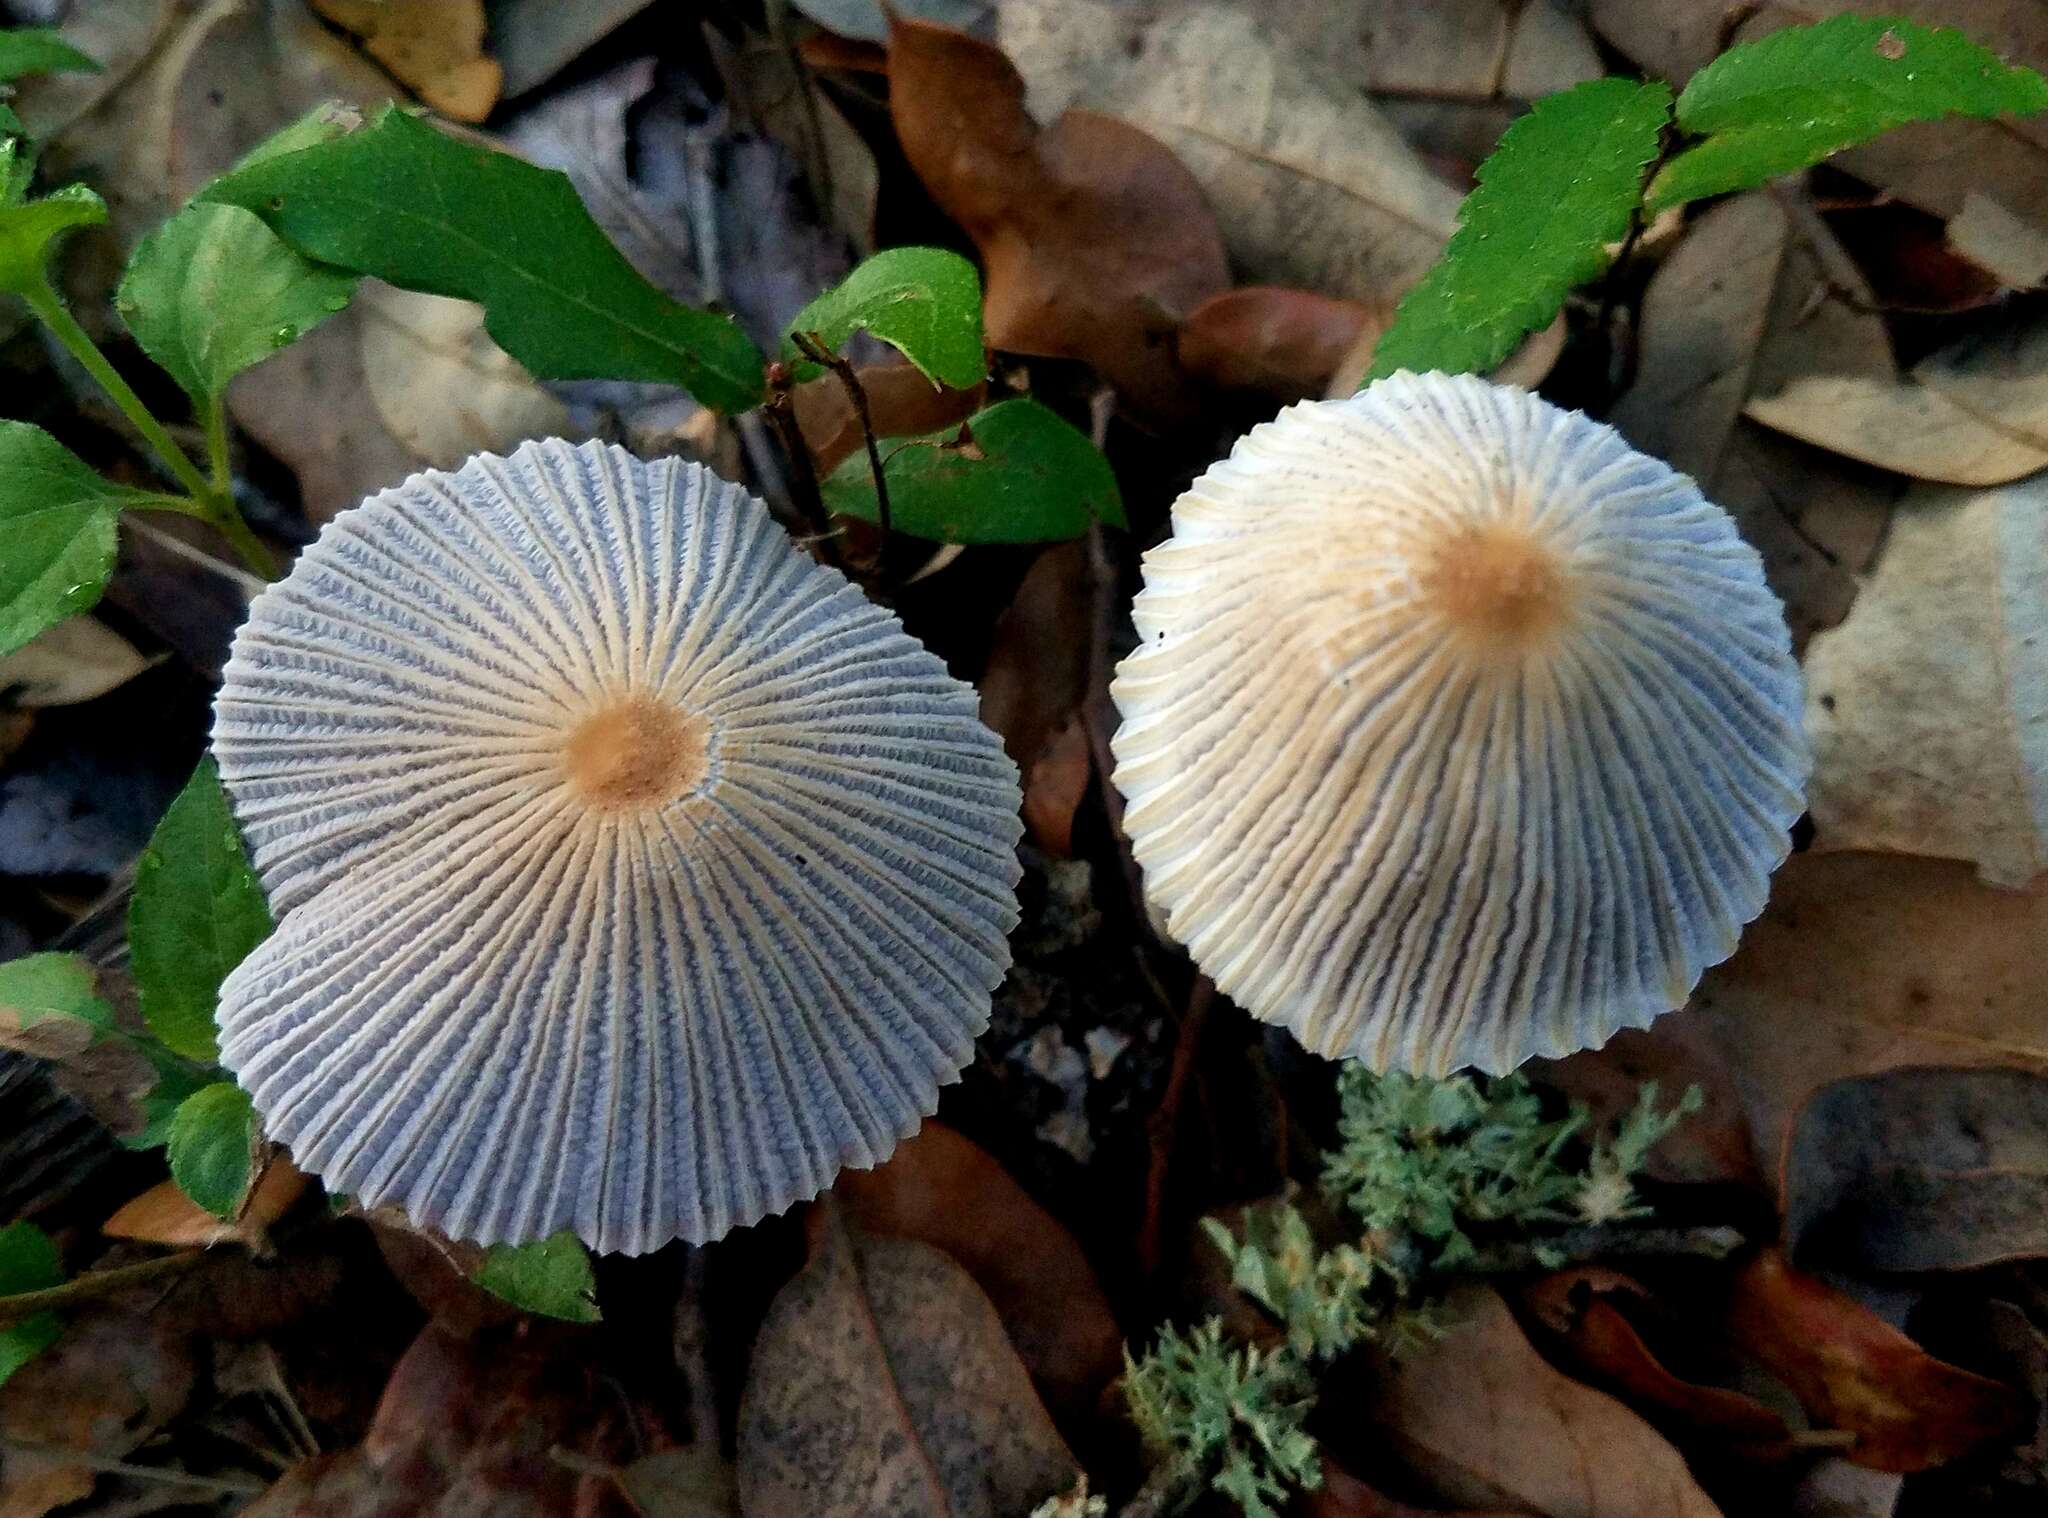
(165, 1215)
(882, 1382)
(1852, 1370)
(1486, 1422)
(901, 403)
(949, 1192)
(1920, 1169)
(1286, 343)
(433, 47)
(1095, 240)
(1926, 707)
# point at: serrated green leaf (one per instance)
(176, 1079)
(212, 1147)
(1021, 475)
(56, 532)
(26, 50)
(53, 985)
(28, 1262)
(1789, 99)
(1558, 189)
(924, 302)
(552, 1277)
(324, 123)
(413, 206)
(30, 230)
(17, 160)
(214, 290)
(197, 912)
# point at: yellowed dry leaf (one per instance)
(1898, 426)
(1312, 186)
(78, 659)
(1928, 707)
(1486, 1422)
(1996, 240)
(1863, 962)
(433, 47)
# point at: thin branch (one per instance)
(808, 344)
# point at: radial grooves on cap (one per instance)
(1423, 831)
(509, 1012)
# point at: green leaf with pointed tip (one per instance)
(1559, 188)
(214, 290)
(29, 232)
(411, 205)
(56, 532)
(197, 912)
(53, 985)
(324, 123)
(212, 1148)
(26, 50)
(552, 1277)
(176, 1079)
(1014, 473)
(924, 302)
(28, 1262)
(1789, 99)
(17, 160)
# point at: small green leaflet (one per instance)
(197, 913)
(407, 203)
(1559, 188)
(925, 302)
(1791, 98)
(26, 50)
(214, 290)
(53, 985)
(56, 532)
(552, 1277)
(29, 233)
(212, 1147)
(176, 1079)
(1023, 475)
(28, 1262)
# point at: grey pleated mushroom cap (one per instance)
(634, 872)
(1458, 731)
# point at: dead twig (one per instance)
(857, 396)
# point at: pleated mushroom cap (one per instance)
(1458, 732)
(634, 872)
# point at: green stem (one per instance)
(213, 500)
(217, 445)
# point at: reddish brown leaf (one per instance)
(1343, 1495)
(1054, 785)
(882, 1383)
(949, 1192)
(165, 1215)
(901, 403)
(1096, 241)
(1286, 343)
(1585, 1309)
(1920, 1169)
(1852, 1370)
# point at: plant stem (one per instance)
(857, 396)
(212, 498)
(217, 446)
(99, 1283)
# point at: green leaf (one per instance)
(53, 985)
(1791, 98)
(925, 302)
(28, 1262)
(214, 290)
(408, 204)
(1015, 473)
(56, 532)
(1558, 189)
(551, 1277)
(29, 233)
(26, 50)
(176, 1079)
(197, 913)
(213, 1147)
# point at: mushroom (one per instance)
(635, 873)
(1458, 731)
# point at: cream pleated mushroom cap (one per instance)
(634, 873)
(1458, 732)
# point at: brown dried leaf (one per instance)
(882, 1383)
(1920, 1169)
(1852, 1370)
(78, 659)
(1485, 1421)
(1343, 1495)
(433, 47)
(1286, 343)
(901, 403)
(1999, 376)
(1896, 425)
(1926, 709)
(1095, 240)
(949, 1192)
(165, 1215)
(1865, 962)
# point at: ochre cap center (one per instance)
(1499, 582)
(637, 752)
